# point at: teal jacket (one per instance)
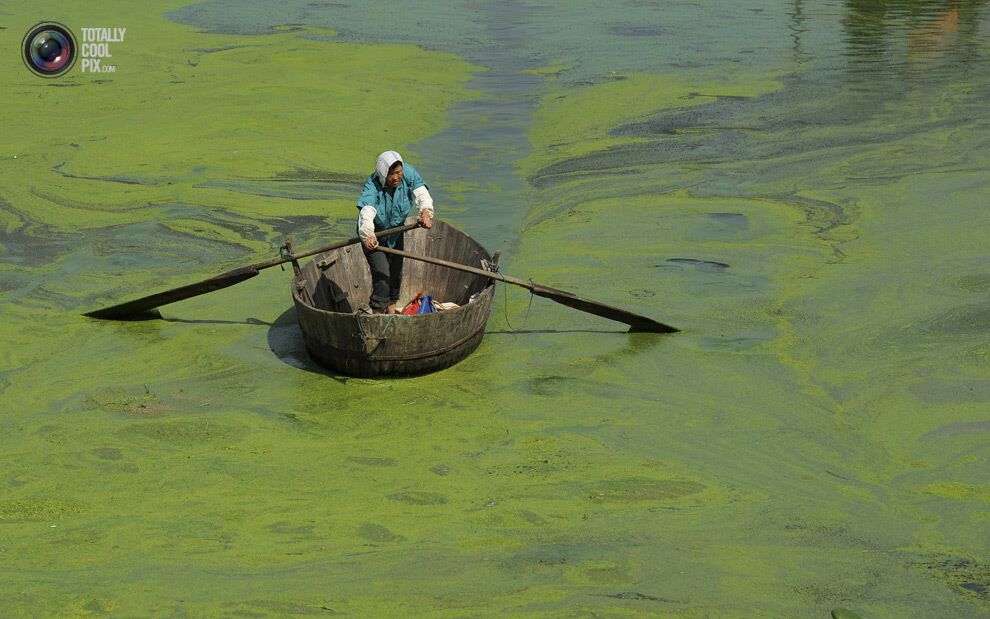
(391, 211)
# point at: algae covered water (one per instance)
(801, 187)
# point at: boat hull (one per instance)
(331, 287)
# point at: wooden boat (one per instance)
(331, 288)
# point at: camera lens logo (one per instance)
(49, 49)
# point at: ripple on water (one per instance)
(637, 490)
(185, 433)
(970, 319)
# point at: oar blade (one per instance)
(636, 322)
(139, 307)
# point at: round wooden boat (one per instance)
(330, 289)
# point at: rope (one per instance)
(505, 306)
(285, 254)
(390, 321)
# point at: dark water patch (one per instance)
(974, 282)
(151, 245)
(197, 537)
(185, 433)
(351, 22)
(369, 461)
(311, 231)
(732, 129)
(295, 190)
(273, 608)
(545, 556)
(14, 281)
(635, 595)
(542, 466)
(737, 219)
(966, 576)
(377, 533)
(283, 527)
(533, 518)
(298, 184)
(213, 50)
(31, 242)
(146, 245)
(696, 262)
(419, 498)
(958, 321)
(643, 490)
(957, 429)
(975, 587)
(735, 342)
(825, 216)
(56, 435)
(715, 115)
(107, 453)
(125, 180)
(705, 95)
(140, 403)
(952, 391)
(549, 385)
(624, 30)
(351, 181)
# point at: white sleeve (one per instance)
(366, 222)
(424, 201)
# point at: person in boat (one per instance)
(390, 192)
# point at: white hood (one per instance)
(385, 161)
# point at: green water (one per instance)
(801, 187)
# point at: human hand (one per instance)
(426, 220)
(371, 242)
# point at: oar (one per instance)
(635, 321)
(136, 307)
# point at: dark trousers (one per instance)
(386, 276)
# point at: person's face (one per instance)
(394, 177)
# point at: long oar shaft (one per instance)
(636, 322)
(236, 276)
(319, 250)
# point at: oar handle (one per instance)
(319, 250)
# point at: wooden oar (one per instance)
(135, 308)
(635, 321)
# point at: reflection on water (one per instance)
(907, 34)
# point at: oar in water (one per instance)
(135, 308)
(635, 321)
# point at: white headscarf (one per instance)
(385, 161)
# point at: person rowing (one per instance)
(390, 192)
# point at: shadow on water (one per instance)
(285, 339)
(247, 321)
(554, 331)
